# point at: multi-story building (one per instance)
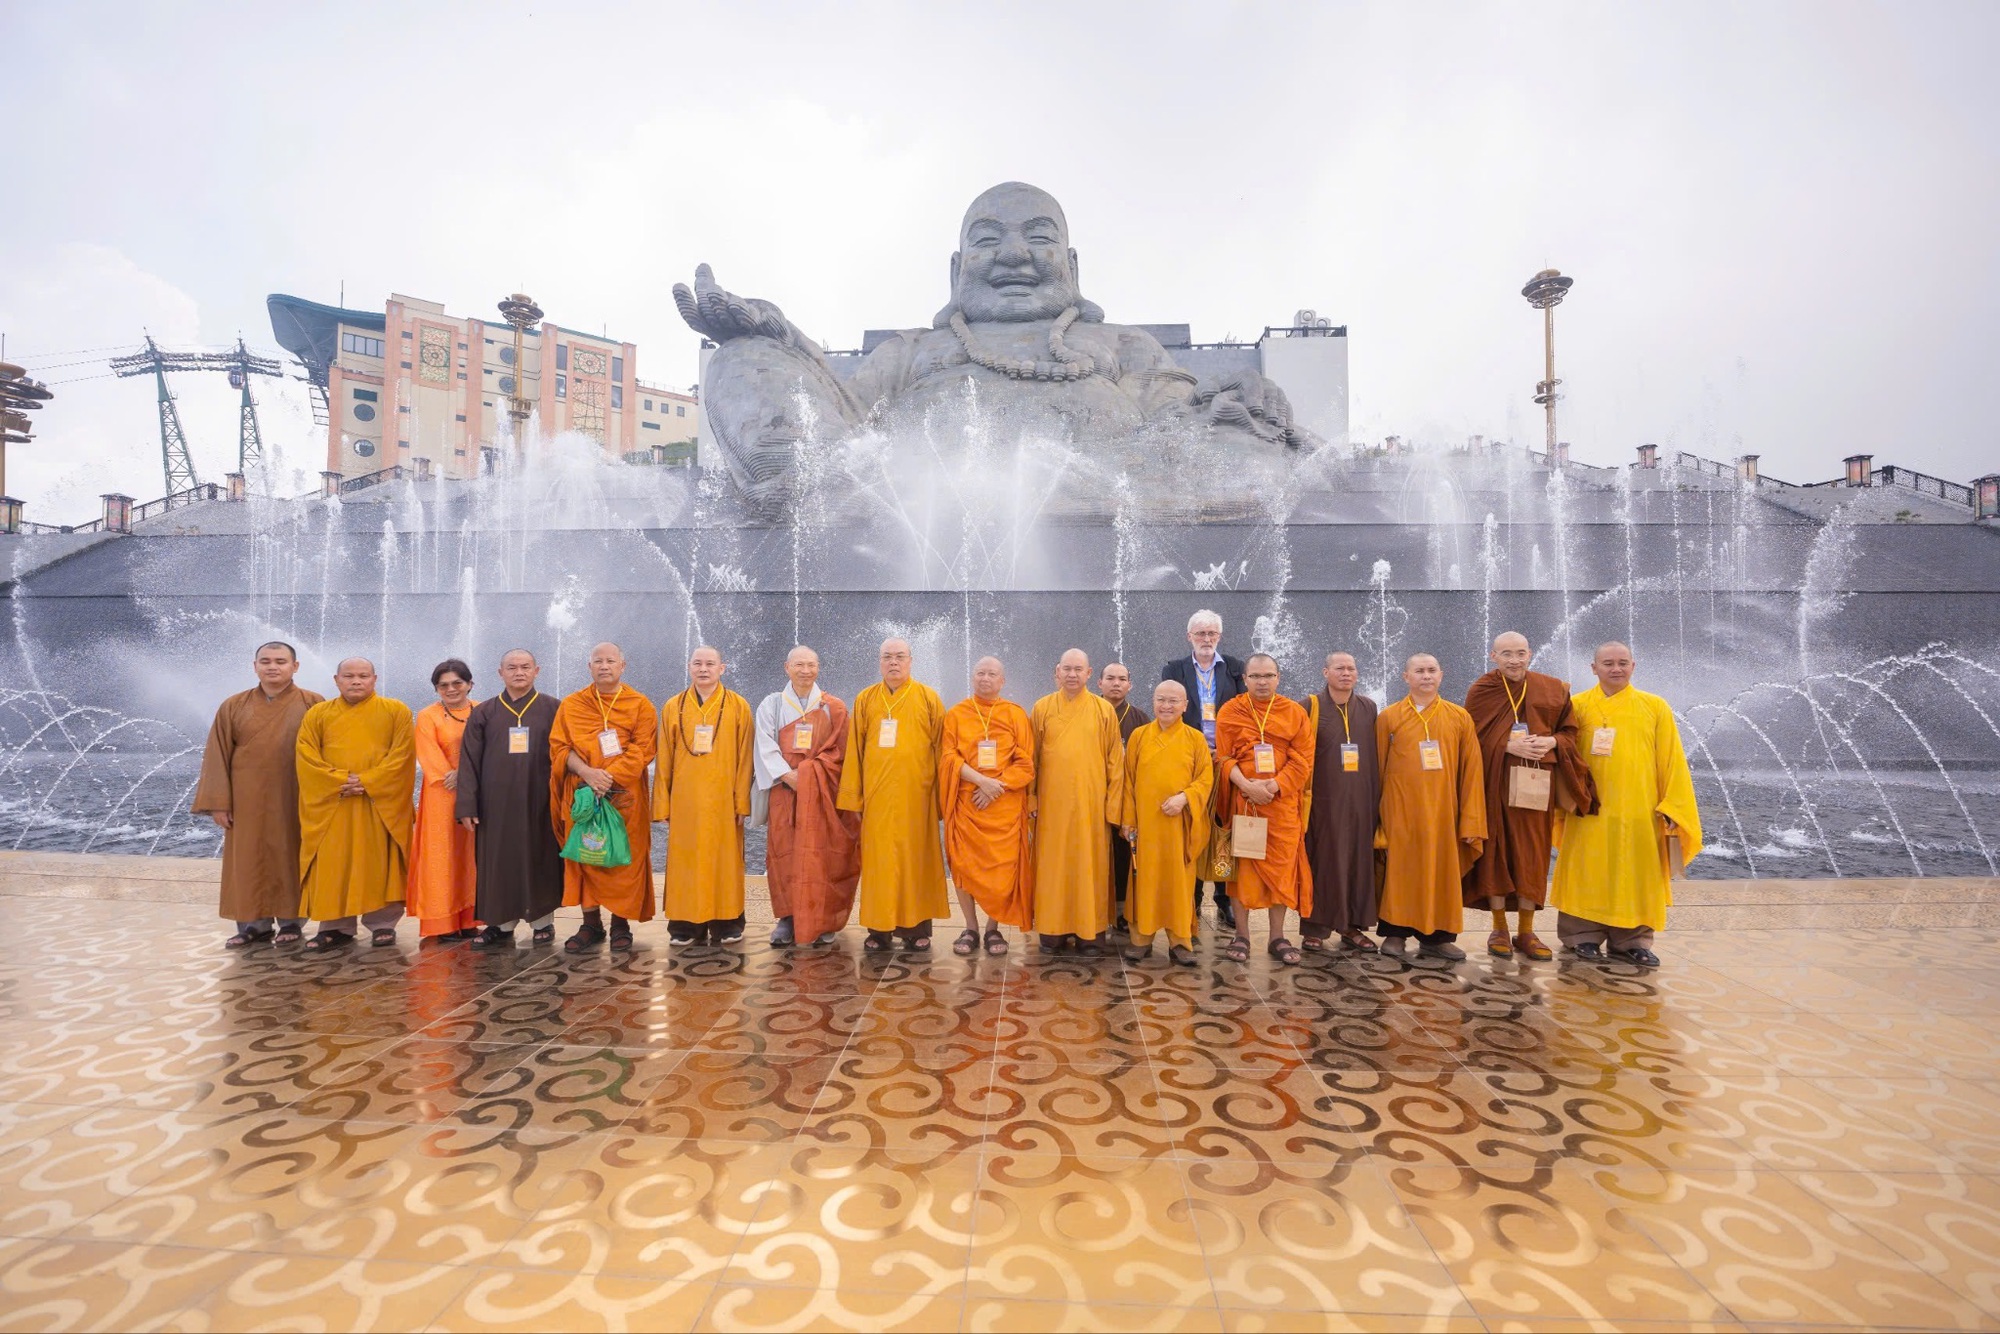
(414, 383)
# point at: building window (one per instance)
(617, 395)
(365, 448)
(365, 395)
(618, 368)
(562, 386)
(361, 345)
(364, 412)
(649, 405)
(507, 355)
(506, 384)
(408, 334)
(460, 417)
(562, 356)
(680, 410)
(651, 426)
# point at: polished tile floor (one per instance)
(1781, 1128)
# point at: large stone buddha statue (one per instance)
(1017, 333)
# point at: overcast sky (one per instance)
(1782, 219)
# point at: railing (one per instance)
(393, 473)
(200, 491)
(1713, 468)
(1956, 493)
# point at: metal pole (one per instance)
(1549, 370)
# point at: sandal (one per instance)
(967, 942)
(1359, 943)
(918, 944)
(545, 935)
(324, 942)
(287, 935)
(1183, 956)
(243, 940)
(1284, 951)
(382, 936)
(1237, 950)
(621, 935)
(996, 944)
(1532, 946)
(588, 937)
(1499, 945)
(878, 942)
(1313, 944)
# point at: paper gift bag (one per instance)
(1247, 835)
(1528, 787)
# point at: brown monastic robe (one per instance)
(1514, 865)
(1346, 807)
(250, 770)
(812, 850)
(1130, 719)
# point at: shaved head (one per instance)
(1169, 703)
(988, 676)
(1073, 671)
(895, 661)
(1613, 665)
(802, 669)
(513, 653)
(1511, 654)
(362, 663)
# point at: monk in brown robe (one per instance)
(1264, 750)
(1525, 726)
(986, 766)
(604, 736)
(1433, 813)
(249, 786)
(1115, 684)
(812, 848)
(1346, 807)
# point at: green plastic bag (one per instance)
(596, 832)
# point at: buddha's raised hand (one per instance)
(720, 315)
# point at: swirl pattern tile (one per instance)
(1778, 1129)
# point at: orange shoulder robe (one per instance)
(812, 852)
(1079, 794)
(1282, 878)
(1514, 865)
(627, 891)
(441, 889)
(988, 850)
(1433, 820)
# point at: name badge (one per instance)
(1266, 756)
(1519, 728)
(608, 743)
(802, 737)
(704, 738)
(517, 741)
(885, 736)
(1431, 753)
(1600, 740)
(1350, 757)
(1207, 711)
(989, 755)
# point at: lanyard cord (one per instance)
(522, 712)
(603, 710)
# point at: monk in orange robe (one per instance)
(701, 792)
(1079, 797)
(357, 768)
(812, 848)
(1525, 722)
(604, 736)
(1433, 813)
(985, 766)
(249, 786)
(1264, 748)
(442, 889)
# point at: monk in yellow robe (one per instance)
(701, 790)
(357, 765)
(1433, 813)
(604, 737)
(1079, 795)
(443, 890)
(249, 785)
(986, 764)
(1264, 753)
(1613, 868)
(1169, 776)
(894, 736)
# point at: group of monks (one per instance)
(1082, 818)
